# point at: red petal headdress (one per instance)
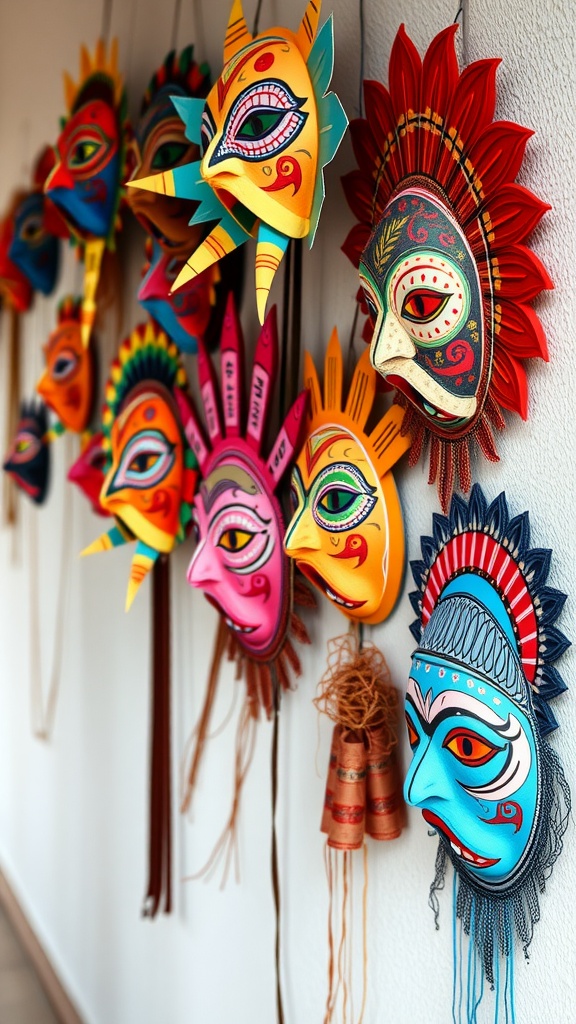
(434, 124)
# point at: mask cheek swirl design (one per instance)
(478, 714)
(238, 561)
(474, 772)
(422, 288)
(440, 247)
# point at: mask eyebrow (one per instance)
(227, 478)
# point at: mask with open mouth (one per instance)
(150, 472)
(28, 459)
(347, 532)
(446, 276)
(265, 133)
(239, 563)
(477, 712)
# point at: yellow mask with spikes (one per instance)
(347, 532)
(266, 131)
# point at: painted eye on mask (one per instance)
(265, 119)
(469, 748)
(413, 737)
(64, 365)
(168, 155)
(235, 540)
(343, 499)
(207, 130)
(147, 459)
(243, 537)
(32, 230)
(429, 295)
(26, 447)
(87, 151)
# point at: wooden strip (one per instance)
(59, 999)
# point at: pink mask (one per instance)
(239, 562)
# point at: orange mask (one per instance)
(150, 477)
(67, 384)
(347, 533)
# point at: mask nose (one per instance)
(59, 178)
(426, 778)
(301, 535)
(203, 569)
(390, 341)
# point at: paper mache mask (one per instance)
(67, 384)
(91, 164)
(477, 710)
(265, 133)
(239, 563)
(150, 473)
(28, 458)
(185, 315)
(35, 245)
(347, 532)
(15, 288)
(160, 145)
(440, 249)
(87, 472)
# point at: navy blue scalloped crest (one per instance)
(534, 564)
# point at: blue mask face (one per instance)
(475, 771)
(85, 180)
(33, 249)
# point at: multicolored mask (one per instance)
(28, 459)
(439, 247)
(67, 384)
(88, 471)
(86, 180)
(15, 288)
(185, 315)
(477, 711)
(265, 133)
(347, 533)
(239, 563)
(150, 472)
(35, 247)
(160, 145)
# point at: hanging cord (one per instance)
(175, 24)
(362, 54)
(257, 18)
(43, 713)
(106, 20)
(274, 848)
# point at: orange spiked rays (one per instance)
(347, 533)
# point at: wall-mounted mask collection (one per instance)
(448, 283)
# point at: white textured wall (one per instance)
(73, 813)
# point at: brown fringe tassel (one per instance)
(227, 846)
(363, 789)
(201, 730)
(160, 831)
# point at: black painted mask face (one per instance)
(28, 459)
(421, 284)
